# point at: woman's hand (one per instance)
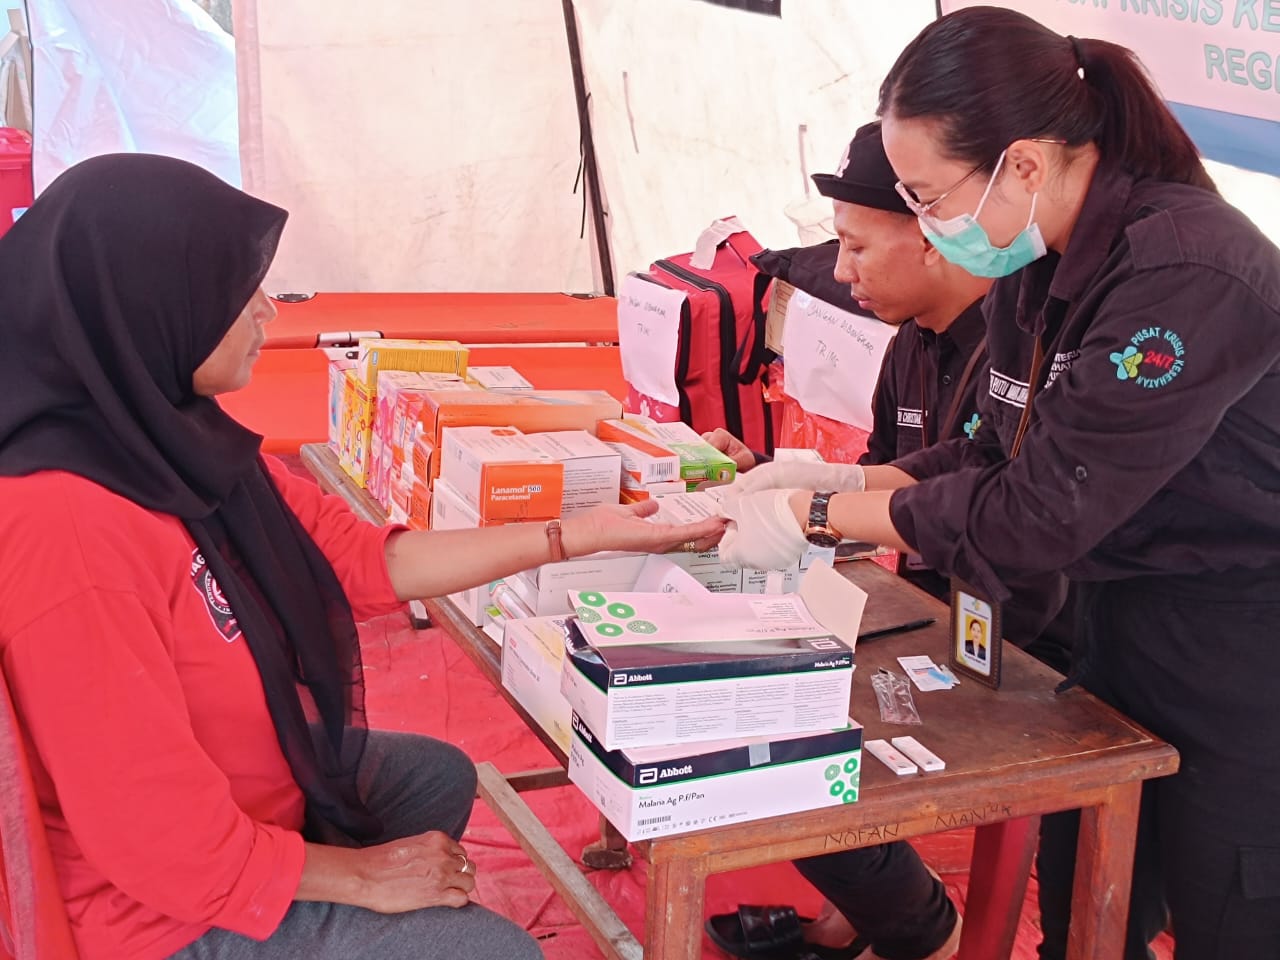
(731, 447)
(409, 874)
(416, 872)
(624, 527)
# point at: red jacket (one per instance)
(169, 806)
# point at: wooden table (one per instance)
(1018, 752)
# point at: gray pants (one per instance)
(414, 784)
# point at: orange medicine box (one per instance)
(531, 411)
(500, 474)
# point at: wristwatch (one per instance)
(819, 531)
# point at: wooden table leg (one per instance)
(673, 917)
(999, 868)
(610, 852)
(1104, 874)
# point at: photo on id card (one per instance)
(976, 633)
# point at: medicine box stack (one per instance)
(691, 710)
(662, 458)
(353, 399)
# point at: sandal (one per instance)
(757, 931)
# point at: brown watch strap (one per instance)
(555, 542)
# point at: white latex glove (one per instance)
(795, 475)
(762, 533)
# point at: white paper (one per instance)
(926, 674)
(704, 252)
(833, 359)
(835, 601)
(649, 338)
(660, 575)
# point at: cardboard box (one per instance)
(336, 386)
(592, 470)
(775, 321)
(531, 412)
(532, 655)
(632, 492)
(449, 511)
(545, 589)
(419, 505)
(646, 669)
(647, 447)
(387, 441)
(659, 791)
(437, 356)
(358, 401)
(498, 378)
(500, 474)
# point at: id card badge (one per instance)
(977, 630)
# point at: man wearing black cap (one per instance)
(928, 380)
(926, 393)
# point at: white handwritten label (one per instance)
(833, 359)
(649, 337)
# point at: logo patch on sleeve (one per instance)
(1152, 358)
(224, 621)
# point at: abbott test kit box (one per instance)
(645, 669)
(657, 791)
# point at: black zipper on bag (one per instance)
(682, 351)
(728, 343)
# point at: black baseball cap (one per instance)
(864, 176)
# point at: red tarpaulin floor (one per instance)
(419, 681)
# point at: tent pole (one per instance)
(590, 170)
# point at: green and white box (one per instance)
(645, 669)
(658, 791)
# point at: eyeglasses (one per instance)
(921, 209)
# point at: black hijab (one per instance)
(118, 283)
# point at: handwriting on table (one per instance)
(973, 816)
(861, 836)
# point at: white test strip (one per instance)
(913, 748)
(890, 757)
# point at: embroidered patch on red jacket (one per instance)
(224, 621)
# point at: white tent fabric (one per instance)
(702, 112)
(147, 75)
(430, 145)
(419, 144)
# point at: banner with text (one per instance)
(1217, 62)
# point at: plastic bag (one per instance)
(893, 696)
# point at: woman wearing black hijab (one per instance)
(176, 610)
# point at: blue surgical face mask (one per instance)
(964, 242)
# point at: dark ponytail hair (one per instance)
(991, 76)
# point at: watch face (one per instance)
(824, 540)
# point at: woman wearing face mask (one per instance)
(1130, 432)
